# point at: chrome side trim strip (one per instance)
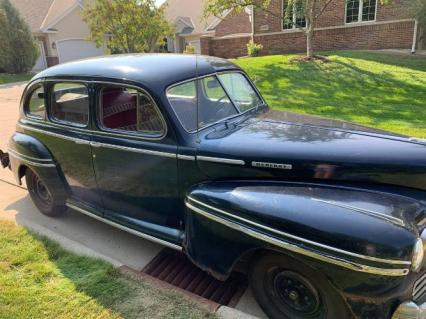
(126, 229)
(221, 160)
(297, 249)
(134, 150)
(186, 157)
(95, 144)
(69, 138)
(388, 218)
(307, 241)
(31, 162)
(29, 157)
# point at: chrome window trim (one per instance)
(124, 228)
(53, 119)
(33, 87)
(95, 144)
(85, 130)
(208, 75)
(291, 247)
(220, 160)
(392, 219)
(24, 160)
(122, 133)
(307, 241)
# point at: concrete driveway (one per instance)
(74, 231)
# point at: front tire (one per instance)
(42, 197)
(288, 289)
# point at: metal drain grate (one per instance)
(176, 269)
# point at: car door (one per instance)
(68, 137)
(135, 162)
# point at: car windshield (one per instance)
(219, 97)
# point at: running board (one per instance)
(124, 228)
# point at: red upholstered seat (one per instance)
(119, 109)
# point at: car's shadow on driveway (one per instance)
(73, 228)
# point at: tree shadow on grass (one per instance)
(412, 62)
(344, 91)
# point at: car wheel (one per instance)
(287, 288)
(41, 196)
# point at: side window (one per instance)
(213, 102)
(35, 104)
(183, 98)
(127, 109)
(70, 103)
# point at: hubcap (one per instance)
(42, 191)
(296, 292)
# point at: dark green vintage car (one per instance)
(326, 217)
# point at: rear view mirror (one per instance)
(40, 95)
(213, 84)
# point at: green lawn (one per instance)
(10, 78)
(374, 89)
(38, 279)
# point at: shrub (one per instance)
(254, 49)
(189, 49)
(18, 49)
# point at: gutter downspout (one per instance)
(413, 47)
(252, 23)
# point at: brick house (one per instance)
(190, 27)
(345, 24)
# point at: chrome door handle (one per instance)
(81, 142)
(95, 144)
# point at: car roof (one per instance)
(151, 70)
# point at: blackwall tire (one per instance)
(42, 197)
(285, 288)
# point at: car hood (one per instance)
(345, 151)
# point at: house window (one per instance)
(292, 16)
(360, 10)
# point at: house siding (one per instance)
(234, 24)
(393, 28)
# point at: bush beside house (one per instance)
(18, 52)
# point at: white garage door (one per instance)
(70, 50)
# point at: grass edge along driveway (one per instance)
(375, 89)
(6, 78)
(39, 279)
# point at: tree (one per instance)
(418, 9)
(311, 10)
(127, 26)
(18, 51)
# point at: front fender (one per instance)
(354, 229)
(26, 151)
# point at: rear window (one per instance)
(36, 103)
(70, 103)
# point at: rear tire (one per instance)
(288, 289)
(42, 197)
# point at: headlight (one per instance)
(418, 254)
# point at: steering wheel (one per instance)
(219, 113)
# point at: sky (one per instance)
(159, 2)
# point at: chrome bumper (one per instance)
(410, 310)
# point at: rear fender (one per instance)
(28, 152)
(345, 228)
